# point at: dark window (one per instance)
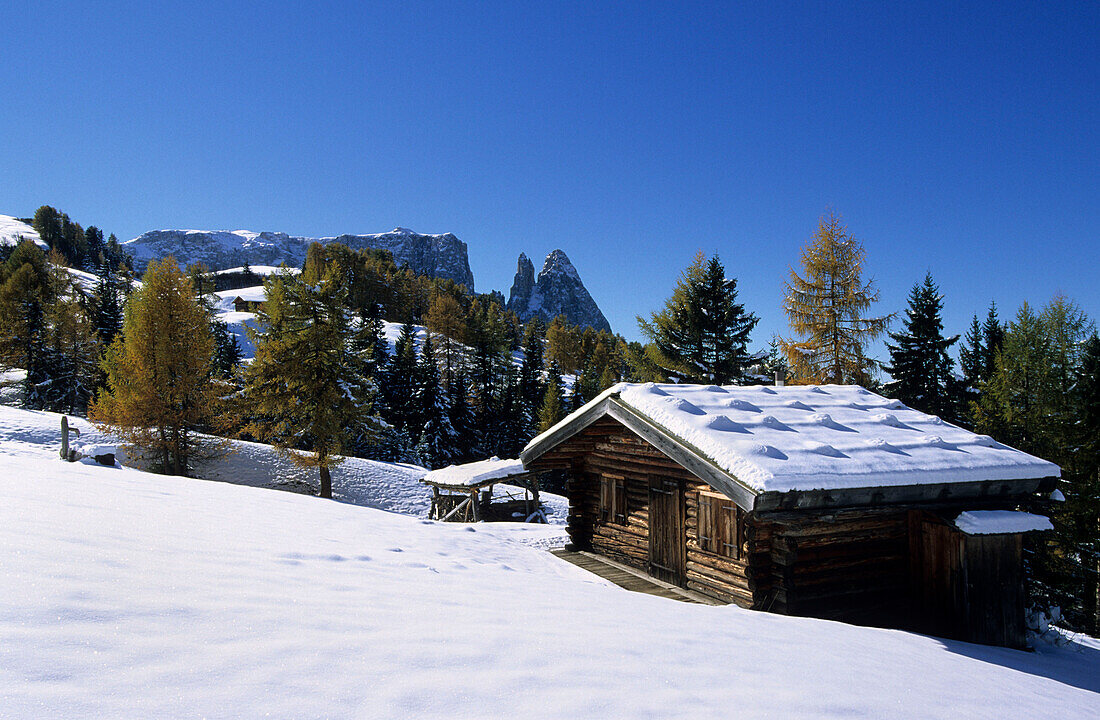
(613, 499)
(719, 525)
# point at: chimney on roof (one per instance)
(779, 381)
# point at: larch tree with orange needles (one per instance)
(827, 307)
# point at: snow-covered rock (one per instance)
(558, 290)
(442, 256)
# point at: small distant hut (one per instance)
(249, 299)
(823, 501)
(490, 490)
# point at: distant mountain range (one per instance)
(442, 256)
(557, 290)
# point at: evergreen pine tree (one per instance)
(437, 443)
(26, 291)
(105, 306)
(702, 332)
(1017, 399)
(227, 350)
(93, 236)
(971, 356)
(511, 433)
(993, 337)
(307, 386)
(401, 380)
(462, 417)
(553, 407)
(159, 395)
(71, 351)
(1083, 495)
(531, 385)
(920, 365)
(827, 308)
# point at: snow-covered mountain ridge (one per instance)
(442, 256)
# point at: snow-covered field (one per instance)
(383, 486)
(125, 594)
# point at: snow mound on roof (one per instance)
(476, 473)
(792, 425)
(1000, 522)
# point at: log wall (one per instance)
(851, 566)
(608, 449)
(879, 566)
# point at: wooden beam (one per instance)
(543, 443)
(683, 454)
(903, 494)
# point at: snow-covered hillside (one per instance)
(124, 594)
(12, 231)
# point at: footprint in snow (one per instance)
(396, 550)
(363, 558)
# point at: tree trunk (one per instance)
(326, 482)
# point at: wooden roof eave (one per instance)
(678, 451)
(915, 494)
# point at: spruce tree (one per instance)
(993, 337)
(511, 433)
(307, 387)
(827, 305)
(105, 306)
(72, 351)
(402, 377)
(437, 442)
(702, 332)
(462, 417)
(920, 365)
(26, 292)
(1083, 495)
(159, 395)
(971, 356)
(1018, 398)
(531, 384)
(227, 350)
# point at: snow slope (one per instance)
(12, 231)
(124, 594)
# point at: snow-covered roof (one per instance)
(251, 294)
(1000, 522)
(814, 437)
(476, 473)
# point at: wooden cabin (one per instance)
(820, 501)
(492, 490)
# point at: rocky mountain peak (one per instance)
(557, 291)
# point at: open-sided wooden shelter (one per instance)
(823, 501)
(492, 489)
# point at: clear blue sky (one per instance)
(961, 140)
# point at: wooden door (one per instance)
(667, 545)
